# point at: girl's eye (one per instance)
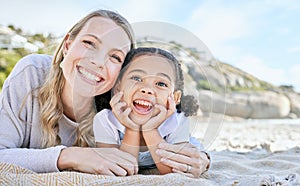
(136, 78)
(161, 84)
(89, 43)
(116, 58)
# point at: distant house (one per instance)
(10, 40)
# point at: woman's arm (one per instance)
(106, 161)
(20, 128)
(184, 158)
(186, 154)
(130, 143)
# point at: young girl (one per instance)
(142, 115)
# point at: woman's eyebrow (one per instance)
(99, 40)
(92, 35)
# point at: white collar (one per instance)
(166, 128)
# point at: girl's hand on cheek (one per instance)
(122, 111)
(157, 120)
(164, 113)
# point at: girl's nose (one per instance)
(145, 90)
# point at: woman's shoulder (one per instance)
(32, 66)
(37, 61)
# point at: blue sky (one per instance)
(261, 37)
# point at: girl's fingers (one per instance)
(116, 98)
(127, 112)
(117, 108)
(155, 121)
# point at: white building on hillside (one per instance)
(10, 40)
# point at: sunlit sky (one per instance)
(261, 37)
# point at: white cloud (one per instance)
(286, 4)
(36, 16)
(259, 69)
(218, 23)
(137, 11)
(293, 49)
(276, 76)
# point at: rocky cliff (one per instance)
(225, 89)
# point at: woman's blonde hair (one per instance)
(50, 93)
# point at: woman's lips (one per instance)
(91, 76)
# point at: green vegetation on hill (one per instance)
(8, 60)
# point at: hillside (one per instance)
(221, 89)
(226, 90)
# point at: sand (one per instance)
(256, 154)
(242, 154)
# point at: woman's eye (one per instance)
(161, 84)
(89, 43)
(136, 78)
(116, 58)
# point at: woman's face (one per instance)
(92, 60)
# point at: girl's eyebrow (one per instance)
(158, 74)
(165, 75)
(137, 70)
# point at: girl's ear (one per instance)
(177, 96)
(66, 44)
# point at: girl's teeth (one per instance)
(143, 103)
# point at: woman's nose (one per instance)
(99, 59)
(99, 63)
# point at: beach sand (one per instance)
(241, 154)
(256, 154)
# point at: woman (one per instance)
(46, 110)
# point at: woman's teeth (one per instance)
(89, 75)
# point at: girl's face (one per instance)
(92, 60)
(148, 80)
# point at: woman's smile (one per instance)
(92, 77)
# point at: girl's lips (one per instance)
(142, 106)
(89, 75)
